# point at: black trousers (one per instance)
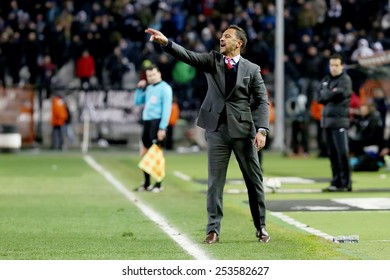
(300, 136)
(149, 133)
(336, 140)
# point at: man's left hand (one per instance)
(259, 141)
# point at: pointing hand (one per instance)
(157, 36)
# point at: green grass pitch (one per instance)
(54, 206)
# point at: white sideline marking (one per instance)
(301, 226)
(295, 180)
(173, 233)
(377, 203)
(182, 176)
(269, 190)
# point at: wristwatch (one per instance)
(263, 131)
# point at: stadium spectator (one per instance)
(367, 130)
(85, 69)
(363, 50)
(299, 116)
(313, 69)
(377, 47)
(183, 76)
(12, 48)
(76, 47)
(47, 70)
(165, 65)
(320, 9)
(381, 105)
(116, 66)
(335, 12)
(306, 19)
(32, 52)
(59, 116)
(354, 107)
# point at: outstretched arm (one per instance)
(198, 60)
(157, 36)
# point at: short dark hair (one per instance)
(152, 67)
(337, 56)
(240, 33)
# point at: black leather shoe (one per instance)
(336, 189)
(211, 238)
(262, 235)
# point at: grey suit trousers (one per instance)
(220, 146)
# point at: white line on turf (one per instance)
(301, 226)
(173, 233)
(182, 176)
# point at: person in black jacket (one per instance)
(335, 92)
(369, 130)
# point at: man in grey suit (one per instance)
(235, 116)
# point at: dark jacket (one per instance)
(243, 116)
(335, 94)
(369, 129)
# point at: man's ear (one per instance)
(239, 44)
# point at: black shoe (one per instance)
(331, 189)
(336, 189)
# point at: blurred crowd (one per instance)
(108, 35)
(105, 40)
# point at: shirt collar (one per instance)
(236, 59)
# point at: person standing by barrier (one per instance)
(59, 116)
(316, 113)
(85, 69)
(231, 122)
(335, 93)
(156, 96)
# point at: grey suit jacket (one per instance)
(247, 105)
